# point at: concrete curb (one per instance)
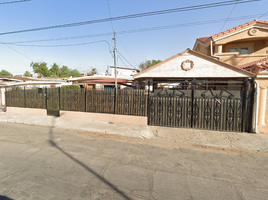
(203, 138)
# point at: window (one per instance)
(242, 48)
(233, 50)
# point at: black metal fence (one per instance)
(125, 102)
(211, 105)
(214, 105)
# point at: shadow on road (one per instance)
(5, 198)
(54, 144)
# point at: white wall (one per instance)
(2, 96)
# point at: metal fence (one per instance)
(211, 105)
(125, 102)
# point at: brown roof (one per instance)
(16, 78)
(205, 39)
(255, 65)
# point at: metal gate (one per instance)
(53, 101)
(211, 105)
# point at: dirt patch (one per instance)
(169, 144)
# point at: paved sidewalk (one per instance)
(203, 138)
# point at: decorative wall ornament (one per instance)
(187, 65)
(253, 31)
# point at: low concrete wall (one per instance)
(127, 119)
(26, 111)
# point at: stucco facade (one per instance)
(202, 67)
(238, 47)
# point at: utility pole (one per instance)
(115, 70)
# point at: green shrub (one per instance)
(71, 86)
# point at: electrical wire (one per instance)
(126, 59)
(113, 29)
(64, 45)
(137, 30)
(228, 17)
(16, 51)
(263, 15)
(11, 2)
(110, 14)
(123, 62)
(132, 16)
(126, 50)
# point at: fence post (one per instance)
(192, 106)
(244, 107)
(5, 99)
(115, 101)
(85, 99)
(59, 98)
(46, 96)
(24, 98)
(148, 104)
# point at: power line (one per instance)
(11, 2)
(113, 29)
(110, 14)
(125, 59)
(16, 51)
(263, 15)
(138, 30)
(63, 45)
(126, 50)
(122, 61)
(182, 9)
(228, 17)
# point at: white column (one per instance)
(262, 105)
(2, 97)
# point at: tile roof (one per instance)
(205, 39)
(255, 65)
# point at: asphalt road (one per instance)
(48, 163)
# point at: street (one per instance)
(51, 163)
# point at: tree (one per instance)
(5, 73)
(54, 70)
(64, 72)
(93, 71)
(27, 74)
(41, 69)
(75, 73)
(148, 63)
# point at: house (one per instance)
(239, 45)
(192, 65)
(107, 80)
(6, 81)
(203, 93)
(245, 47)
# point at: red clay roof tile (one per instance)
(204, 39)
(261, 63)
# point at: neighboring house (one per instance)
(124, 72)
(242, 44)
(6, 81)
(106, 81)
(245, 47)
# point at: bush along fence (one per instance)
(124, 102)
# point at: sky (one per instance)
(91, 45)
